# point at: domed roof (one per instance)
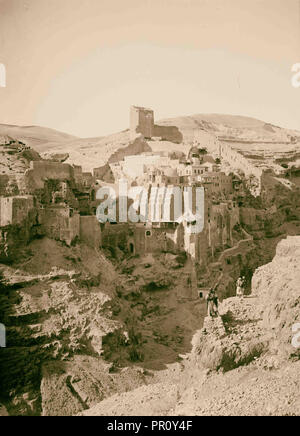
(194, 150)
(208, 159)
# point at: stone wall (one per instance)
(70, 229)
(196, 245)
(104, 173)
(90, 231)
(168, 133)
(39, 171)
(253, 219)
(219, 220)
(60, 223)
(137, 146)
(12, 240)
(239, 163)
(18, 224)
(87, 179)
(142, 121)
(77, 172)
(14, 210)
(115, 236)
(4, 179)
(141, 239)
(217, 182)
(167, 237)
(220, 225)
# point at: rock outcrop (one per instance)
(51, 314)
(260, 325)
(242, 363)
(254, 335)
(276, 286)
(234, 339)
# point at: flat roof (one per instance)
(142, 108)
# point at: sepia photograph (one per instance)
(149, 210)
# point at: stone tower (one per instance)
(141, 121)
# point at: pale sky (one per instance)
(77, 65)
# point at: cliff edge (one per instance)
(244, 362)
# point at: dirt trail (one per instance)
(244, 391)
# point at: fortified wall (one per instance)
(59, 222)
(43, 170)
(4, 180)
(63, 194)
(222, 219)
(56, 195)
(239, 163)
(168, 133)
(137, 146)
(142, 121)
(90, 231)
(40, 171)
(21, 220)
(14, 210)
(18, 218)
(157, 237)
(142, 239)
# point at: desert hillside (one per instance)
(228, 124)
(205, 128)
(39, 138)
(111, 318)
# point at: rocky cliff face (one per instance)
(254, 337)
(67, 311)
(242, 363)
(276, 286)
(15, 158)
(258, 327)
(52, 313)
(59, 320)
